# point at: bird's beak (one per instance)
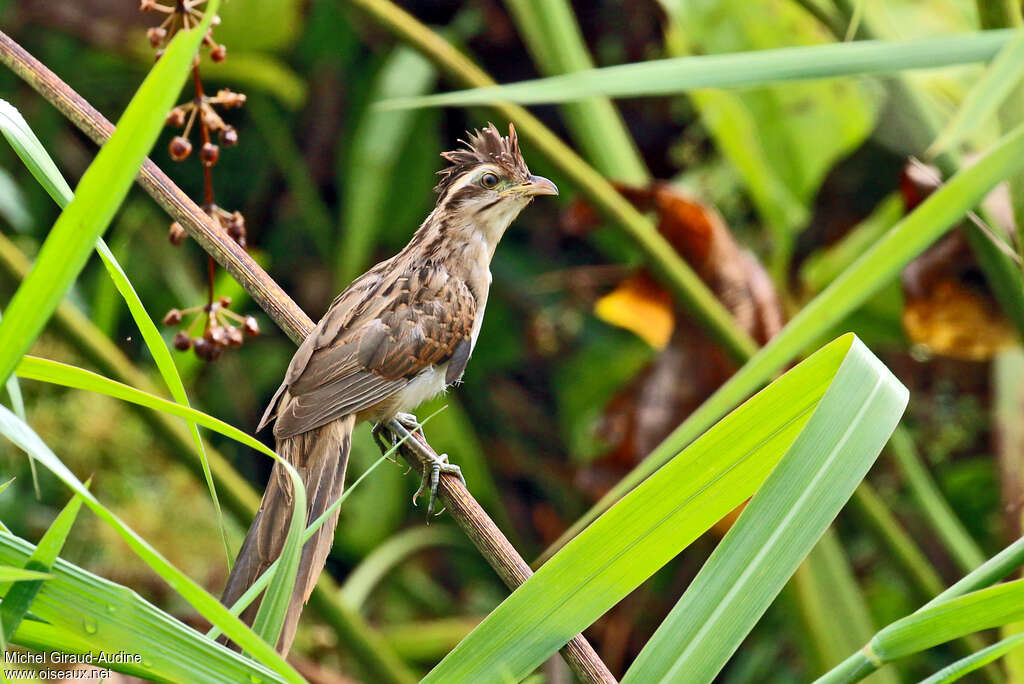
(537, 185)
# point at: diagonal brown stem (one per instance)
(482, 531)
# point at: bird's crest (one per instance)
(483, 147)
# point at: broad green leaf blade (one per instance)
(780, 525)
(33, 154)
(876, 267)
(85, 613)
(18, 599)
(762, 67)
(209, 607)
(690, 493)
(102, 189)
(985, 97)
(964, 666)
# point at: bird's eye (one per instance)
(489, 180)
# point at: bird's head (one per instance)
(487, 181)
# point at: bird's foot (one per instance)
(432, 470)
(386, 442)
(410, 423)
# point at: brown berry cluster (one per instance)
(222, 328)
(202, 108)
(181, 14)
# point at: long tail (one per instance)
(320, 456)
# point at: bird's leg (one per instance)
(432, 464)
(386, 441)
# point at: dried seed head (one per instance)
(182, 341)
(176, 235)
(180, 148)
(229, 99)
(217, 334)
(225, 302)
(209, 153)
(252, 328)
(204, 348)
(146, 5)
(235, 337)
(236, 228)
(157, 55)
(176, 118)
(228, 136)
(219, 53)
(172, 317)
(156, 35)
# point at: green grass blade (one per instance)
(833, 610)
(985, 97)
(964, 666)
(18, 406)
(28, 148)
(18, 599)
(33, 154)
(762, 67)
(936, 509)
(25, 438)
(12, 574)
(257, 587)
(876, 267)
(779, 526)
(673, 507)
(85, 613)
(375, 157)
(275, 601)
(982, 609)
(102, 189)
(553, 37)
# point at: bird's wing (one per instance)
(384, 329)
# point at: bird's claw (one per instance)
(431, 476)
(380, 436)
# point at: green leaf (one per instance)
(957, 670)
(761, 67)
(18, 406)
(100, 193)
(25, 438)
(875, 268)
(275, 601)
(779, 526)
(27, 146)
(554, 39)
(826, 420)
(33, 154)
(983, 609)
(17, 601)
(11, 574)
(85, 613)
(985, 97)
(373, 161)
(256, 588)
